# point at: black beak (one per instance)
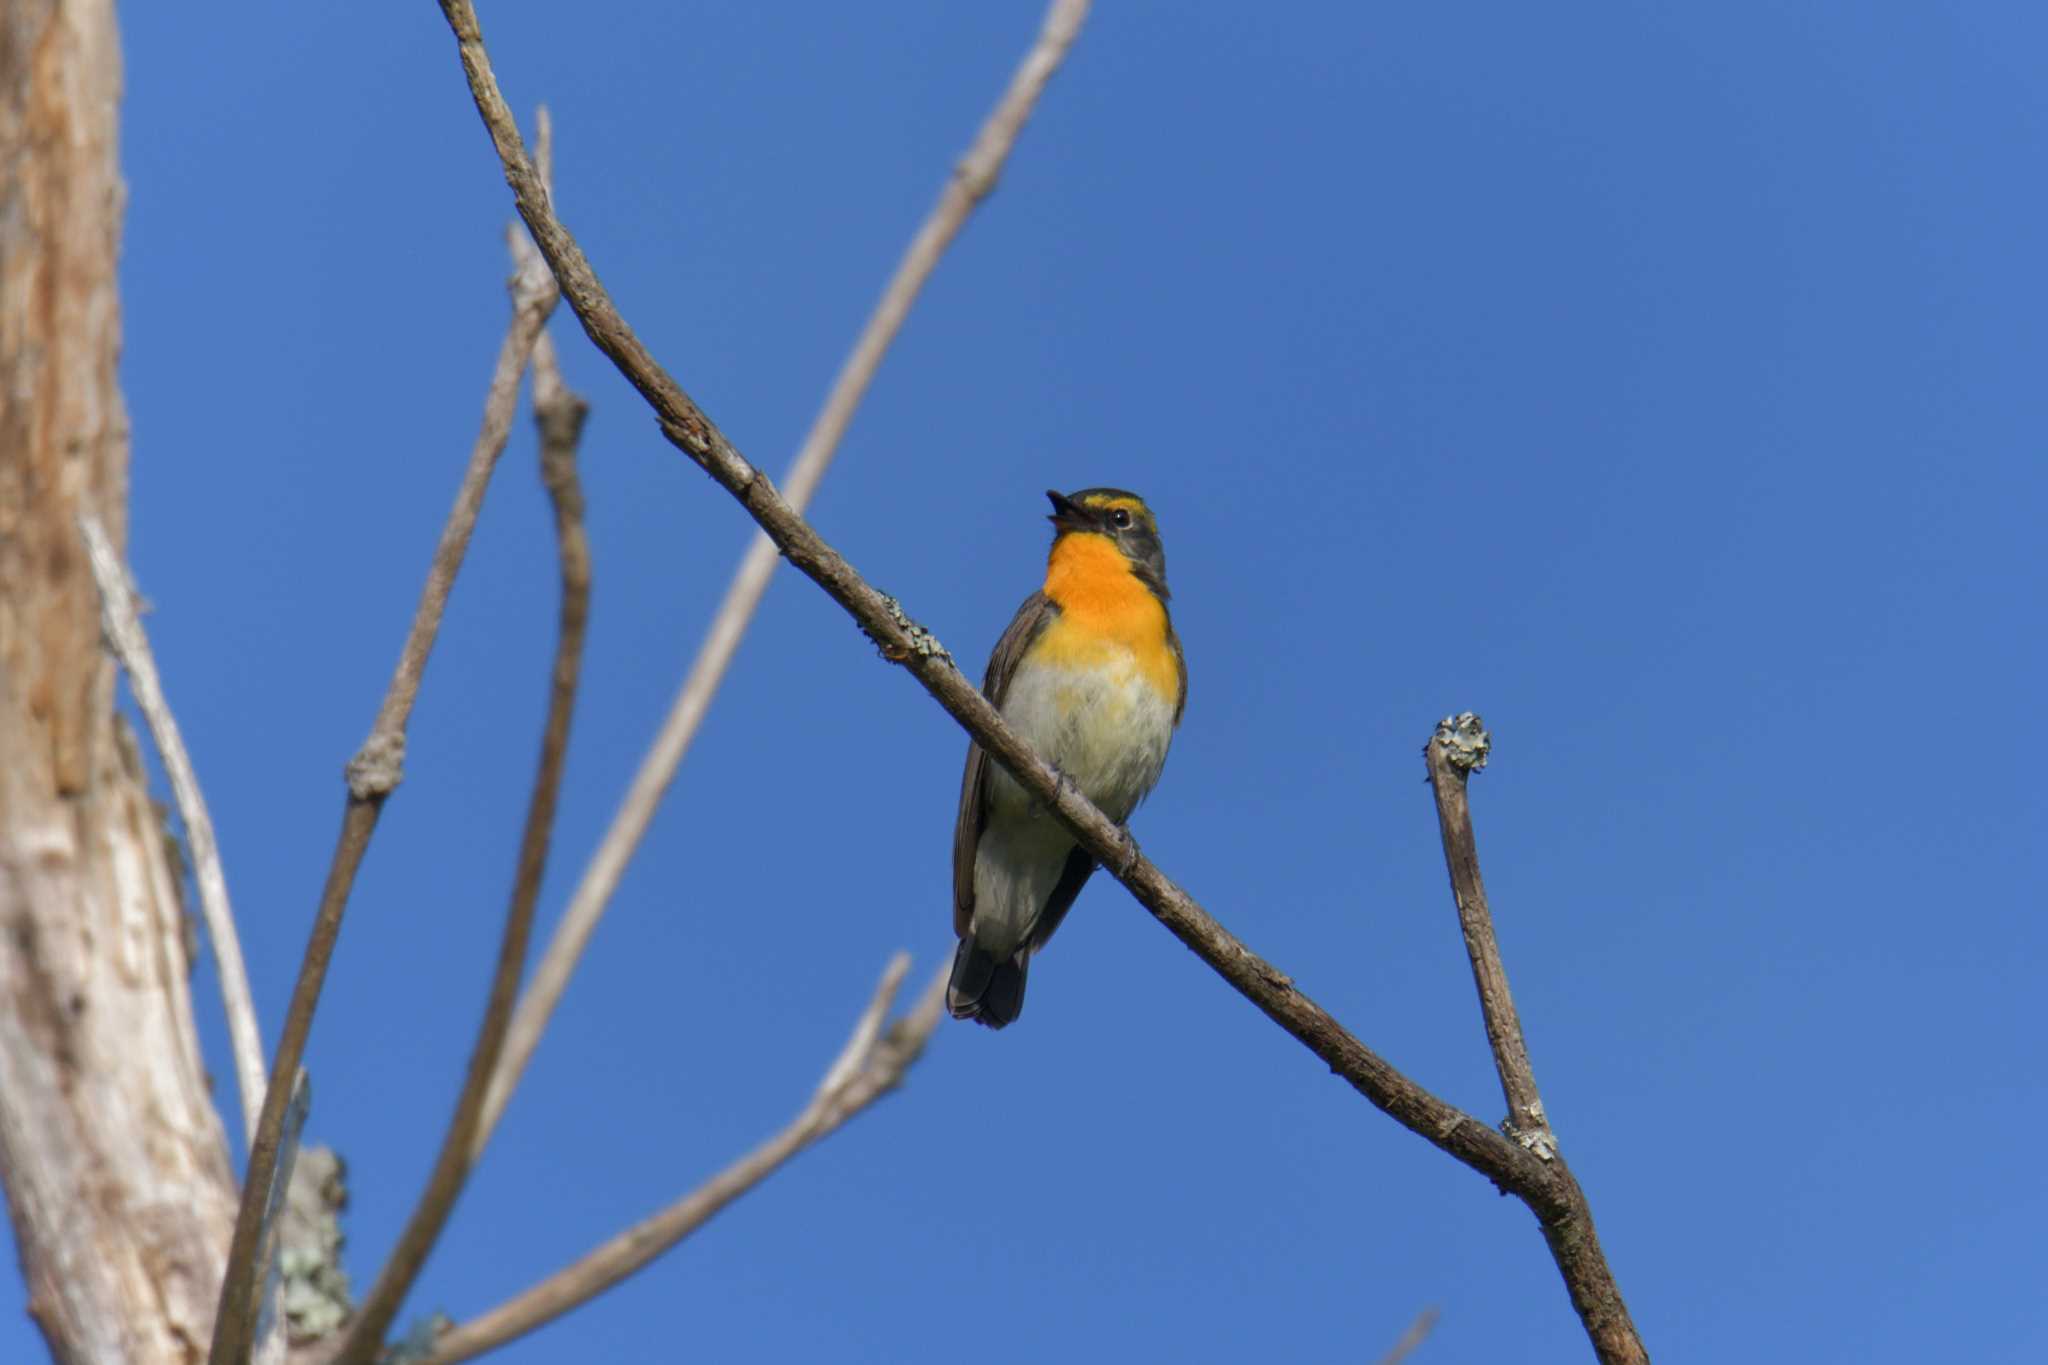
(1066, 513)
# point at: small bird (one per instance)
(1091, 675)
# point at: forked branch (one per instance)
(373, 774)
(561, 415)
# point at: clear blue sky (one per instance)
(1665, 385)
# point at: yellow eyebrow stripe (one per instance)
(1135, 506)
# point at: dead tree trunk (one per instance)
(111, 1151)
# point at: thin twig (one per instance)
(1546, 1187)
(122, 625)
(235, 1317)
(1417, 1333)
(373, 774)
(1457, 749)
(970, 183)
(561, 421)
(870, 1066)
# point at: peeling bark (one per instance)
(111, 1150)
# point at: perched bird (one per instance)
(1090, 674)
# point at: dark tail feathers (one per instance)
(987, 990)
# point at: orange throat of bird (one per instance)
(1104, 606)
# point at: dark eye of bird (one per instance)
(1121, 519)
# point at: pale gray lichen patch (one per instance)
(1533, 1134)
(920, 641)
(316, 1291)
(1464, 740)
(378, 767)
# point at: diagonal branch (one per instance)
(1545, 1187)
(561, 415)
(910, 645)
(122, 626)
(971, 181)
(373, 774)
(870, 1066)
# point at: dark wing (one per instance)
(1180, 661)
(1080, 867)
(1031, 618)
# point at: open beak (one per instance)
(1067, 514)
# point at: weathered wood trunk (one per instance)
(112, 1153)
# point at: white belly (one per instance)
(1106, 728)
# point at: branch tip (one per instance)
(1464, 740)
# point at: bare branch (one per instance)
(1457, 749)
(373, 774)
(1546, 1187)
(561, 422)
(122, 626)
(871, 1065)
(971, 181)
(1418, 1332)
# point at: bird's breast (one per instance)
(1097, 709)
